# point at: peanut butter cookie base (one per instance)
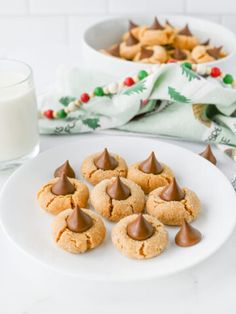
(149, 181)
(54, 204)
(94, 175)
(113, 209)
(139, 249)
(173, 213)
(78, 242)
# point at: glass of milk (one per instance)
(19, 138)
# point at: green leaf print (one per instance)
(66, 100)
(135, 89)
(189, 73)
(92, 123)
(176, 96)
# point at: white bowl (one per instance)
(105, 33)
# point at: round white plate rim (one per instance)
(113, 279)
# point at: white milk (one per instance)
(18, 116)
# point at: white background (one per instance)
(42, 22)
(45, 33)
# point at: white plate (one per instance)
(29, 226)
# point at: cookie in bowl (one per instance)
(185, 39)
(150, 174)
(157, 34)
(117, 197)
(62, 193)
(130, 47)
(155, 54)
(135, 29)
(172, 204)
(78, 230)
(140, 236)
(103, 165)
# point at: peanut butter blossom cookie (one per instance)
(172, 204)
(61, 193)
(100, 166)
(117, 198)
(140, 236)
(163, 43)
(150, 173)
(78, 230)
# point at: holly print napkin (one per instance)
(172, 101)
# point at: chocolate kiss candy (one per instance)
(179, 54)
(118, 190)
(172, 192)
(65, 168)
(145, 53)
(187, 235)
(156, 25)
(79, 221)
(105, 161)
(140, 229)
(185, 31)
(169, 24)
(207, 154)
(132, 25)
(63, 186)
(131, 41)
(151, 165)
(115, 51)
(205, 43)
(214, 52)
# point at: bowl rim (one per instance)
(124, 18)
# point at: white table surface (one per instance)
(28, 287)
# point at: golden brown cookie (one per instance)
(139, 249)
(173, 212)
(54, 204)
(155, 54)
(78, 242)
(92, 173)
(150, 179)
(200, 55)
(130, 47)
(156, 34)
(115, 209)
(135, 30)
(185, 39)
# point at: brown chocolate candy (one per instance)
(172, 192)
(214, 52)
(118, 190)
(208, 154)
(205, 43)
(131, 41)
(185, 31)
(79, 221)
(187, 235)
(151, 165)
(156, 25)
(114, 51)
(65, 168)
(169, 24)
(145, 53)
(63, 186)
(140, 229)
(179, 54)
(132, 25)
(105, 161)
